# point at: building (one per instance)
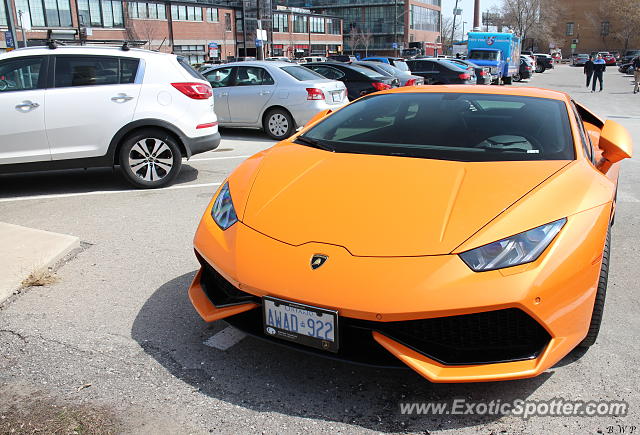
(590, 26)
(382, 26)
(299, 32)
(195, 30)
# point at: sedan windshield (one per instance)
(448, 126)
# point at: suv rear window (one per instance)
(188, 68)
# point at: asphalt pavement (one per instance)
(117, 334)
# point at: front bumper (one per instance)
(468, 324)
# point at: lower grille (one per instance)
(479, 338)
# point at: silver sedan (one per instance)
(275, 96)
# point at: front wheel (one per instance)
(539, 68)
(150, 159)
(278, 124)
(517, 78)
(601, 293)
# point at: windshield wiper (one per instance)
(503, 150)
(315, 143)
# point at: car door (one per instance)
(23, 137)
(92, 98)
(221, 80)
(252, 89)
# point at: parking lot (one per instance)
(116, 336)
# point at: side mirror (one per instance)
(318, 116)
(616, 144)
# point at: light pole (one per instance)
(453, 29)
(476, 15)
(10, 24)
(463, 24)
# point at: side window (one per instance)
(328, 72)
(253, 76)
(584, 137)
(21, 74)
(219, 78)
(86, 71)
(128, 70)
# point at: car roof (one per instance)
(492, 90)
(262, 63)
(85, 49)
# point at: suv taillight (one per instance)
(315, 94)
(381, 86)
(410, 82)
(197, 91)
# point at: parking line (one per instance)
(225, 339)
(106, 192)
(218, 158)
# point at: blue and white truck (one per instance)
(498, 51)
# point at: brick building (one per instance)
(589, 25)
(182, 28)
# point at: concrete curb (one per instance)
(24, 251)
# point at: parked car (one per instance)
(80, 107)
(404, 77)
(483, 73)
(629, 55)
(626, 68)
(543, 62)
(275, 96)
(398, 62)
(341, 58)
(310, 59)
(580, 59)
(279, 59)
(358, 79)
(526, 70)
(492, 265)
(532, 60)
(608, 57)
(441, 72)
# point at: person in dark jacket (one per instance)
(588, 70)
(599, 67)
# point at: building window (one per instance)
(227, 22)
(431, 2)
(604, 28)
(318, 49)
(570, 29)
(212, 15)
(186, 13)
(144, 11)
(277, 49)
(49, 13)
(424, 19)
(280, 23)
(299, 24)
(193, 53)
(333, 26)
(101, 13)
(316, 24)
(3, 15)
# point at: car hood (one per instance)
(382, 205)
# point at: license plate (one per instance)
(337, 96)
(302, 324)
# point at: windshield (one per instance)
(448, 126)
(390, 69)
(302, 73)
(401, 65)
(483, 55)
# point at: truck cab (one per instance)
(498, 51)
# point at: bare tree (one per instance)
(622, 18)
(366, 38)
(354, 38)
(146, 31)
(532, 20)
(445, 34)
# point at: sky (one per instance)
(467, 9)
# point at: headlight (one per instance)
(518, 249)
(222, 211)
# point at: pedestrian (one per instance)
(599, 67)
(636, 74)
(588, 70)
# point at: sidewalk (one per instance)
(24, 251)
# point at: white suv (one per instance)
(79, 107)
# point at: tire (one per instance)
(150, 158)
(598, 306)
(517, 78)
(278, 124)
(507, 80)
(539, 69)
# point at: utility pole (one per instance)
(259, 49)
(244, 29)
(453, 29)
(10, 24)
(24, 35)
(395, 25)
(476, 16)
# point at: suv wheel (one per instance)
(150, 159)
(278, 124)
(540, 68)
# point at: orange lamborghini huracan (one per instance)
(462, 231)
